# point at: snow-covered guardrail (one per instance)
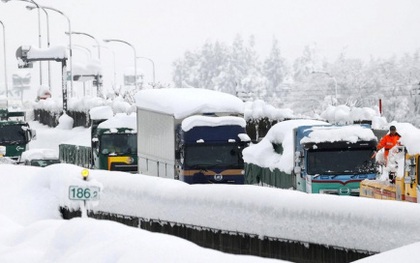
(351, 223)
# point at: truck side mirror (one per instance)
(33, 134)
(29, 135)
(95, 143)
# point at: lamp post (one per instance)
(70, 46)
(39, 31)
(85, 34)
(4, 59)
(153, 67)
(332, 77)
(47, 18)
(135, 56)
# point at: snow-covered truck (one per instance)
(194, 135)
(15, 132)
(313, 157)
(112, 144)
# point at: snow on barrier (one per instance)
(250, 214)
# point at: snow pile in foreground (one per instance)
(343, 221)
(31, 228)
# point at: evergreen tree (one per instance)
(275, 71)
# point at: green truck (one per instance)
(15, 132)
(112, 143)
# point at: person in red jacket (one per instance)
(387, 142)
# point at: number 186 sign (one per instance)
(87, 193)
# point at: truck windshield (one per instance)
(211, 156)
(341, 162)
(118, 144)
(12, 134)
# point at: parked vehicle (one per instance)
(191, 135)
(39, 157)
(15, 132)
(112, 144)
(314, 157)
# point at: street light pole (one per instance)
(97, 42)
(4, 59)
(153, 67)
(70, 45)
(333, 78)
(39, 31)
(47, 18)
(135, 56)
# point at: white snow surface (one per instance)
(54, 52)
(101, 113)
(120, 120)
(259, 109)
(31, 228)
(343, 114)
(193, 121)
(351, 133)
(184, 102)
(34, 154)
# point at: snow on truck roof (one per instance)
(101, 113)
(351, 133)
(183, 102)
(193, 121)
(120, 120)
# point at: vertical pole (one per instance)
(4, 59)
(64, 84)
(380, 107)
(48, 45)
(40, 42)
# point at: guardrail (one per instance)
(235, 242)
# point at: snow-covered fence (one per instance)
(50, 118)
(49, 111)
(46, 117)
(334, 222)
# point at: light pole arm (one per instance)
(135, 55)
(153, 67)
(96, 40)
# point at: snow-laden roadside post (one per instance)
(86, 191)
(27, 54)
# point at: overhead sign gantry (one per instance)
(26, 55)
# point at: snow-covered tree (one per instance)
(275, 71)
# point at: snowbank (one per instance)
(259, 109)
(343, 114)
(360, 223)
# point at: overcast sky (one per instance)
(164, 29)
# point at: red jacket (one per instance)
(388, 141)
